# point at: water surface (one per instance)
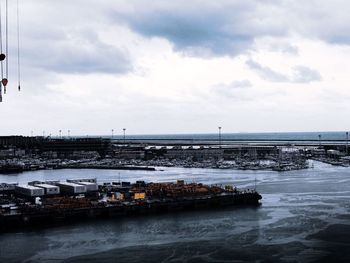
(304, 217)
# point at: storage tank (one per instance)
(71, 188)
(49, 189)
(29, 190)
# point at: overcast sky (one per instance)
(179, 66)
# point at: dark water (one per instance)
(268, 136)
(304, 217)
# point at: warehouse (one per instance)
(71, 188)
(49, 189)
(90, 180)
(90, 187)
(29, 190)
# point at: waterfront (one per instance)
(304, 217)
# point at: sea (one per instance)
(304, 217)
(267, 136)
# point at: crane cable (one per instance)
(7, 46)
(2, 62)
(18, 50)
(5, 79)
(4, 41)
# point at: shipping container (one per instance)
(138, 196)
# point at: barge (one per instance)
(117, 200)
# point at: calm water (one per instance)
(268, 136)
(304, 217)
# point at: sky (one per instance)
(166, 67)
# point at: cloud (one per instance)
(267, 73)
(305, 75)
(80, 63)
(75, 51)
(233, 89)
(229, 27)
(225, 28)
(301, 74)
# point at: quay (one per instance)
(31, 205)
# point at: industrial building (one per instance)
(90, 183)
(72, 188)
(29, 190)
(91, 180)
(49, 189)
(90, 187)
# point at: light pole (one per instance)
(60, 132)
(319, 139)
(68, 133)
(112, 133)
(219, 136)
(124, 129)
(347, 142)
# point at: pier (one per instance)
(47, 203)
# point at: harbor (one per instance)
(20, 154)
(174, 131)
(306, 206)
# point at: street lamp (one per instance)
(124, 129)
(112, 133)
(347, 142)
(68, 133)
(219, 136)
(319, 139)
(60, 132)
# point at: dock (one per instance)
(27, 208)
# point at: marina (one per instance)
(302, 205)
(21, 154)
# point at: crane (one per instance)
(4, 46)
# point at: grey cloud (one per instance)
(267, 73)
(75, 52)
(284, 48)
(229, 27)
(190, 32)
(225, 28)
(301, 74)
